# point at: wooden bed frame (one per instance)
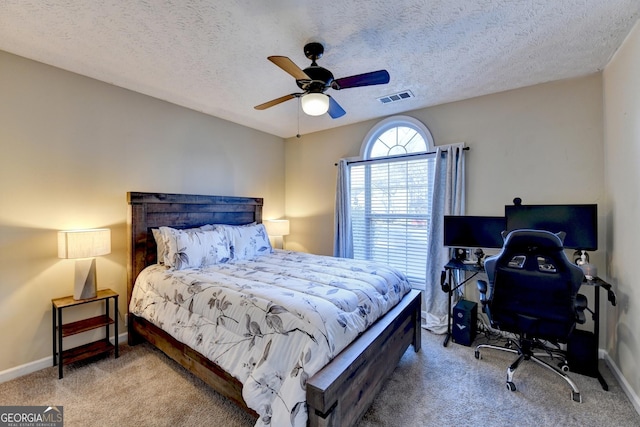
(343, 390)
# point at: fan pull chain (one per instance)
(298, 134)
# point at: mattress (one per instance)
(272, 321)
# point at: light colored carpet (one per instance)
(439, 386)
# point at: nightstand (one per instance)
(60, 330)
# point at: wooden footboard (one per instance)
(342, 392)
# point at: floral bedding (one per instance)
(272, 321)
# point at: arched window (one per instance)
(396, 136)
(390, 196)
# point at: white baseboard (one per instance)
(626, 387)
(27, 368)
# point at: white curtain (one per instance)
(448, 199)
(342, 237)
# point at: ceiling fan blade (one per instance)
(276, 101)
(335, 110)
(289, 66)
(379, 77)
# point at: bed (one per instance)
(338, 394)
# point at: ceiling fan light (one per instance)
(315, 104)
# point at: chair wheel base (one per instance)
(511, 386)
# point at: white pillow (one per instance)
(161, 245)
(161, 242)
(247, 241)
(195, 248)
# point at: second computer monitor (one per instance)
(473, 231)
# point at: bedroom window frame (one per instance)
(399, 236)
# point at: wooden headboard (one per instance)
(153, 210)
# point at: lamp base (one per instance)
(278, 242)
(85, 285)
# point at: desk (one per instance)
(447, 285)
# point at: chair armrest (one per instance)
(579, 306)
(483, 287)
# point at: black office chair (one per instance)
(533, 293)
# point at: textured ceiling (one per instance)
(211, 55)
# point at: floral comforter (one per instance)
(271, 322)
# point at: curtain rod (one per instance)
(402, 156)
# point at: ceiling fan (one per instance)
(315, 80)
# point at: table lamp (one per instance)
(277, 228)
(84, 246)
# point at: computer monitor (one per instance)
(473, 231)
(579, 222)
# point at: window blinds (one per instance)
(390, 212)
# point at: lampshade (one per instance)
(315, 104)
(277, 227)
(84, 243)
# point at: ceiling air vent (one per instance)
(400, 96)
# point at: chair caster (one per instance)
(511, 386)
(477, 354)
(563, 366)
(576, 397)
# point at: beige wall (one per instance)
(71, 147)
(622, 158)
(541, 143)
